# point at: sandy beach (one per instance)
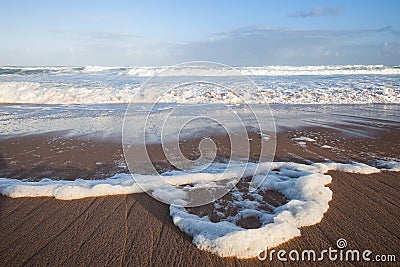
(137, 230)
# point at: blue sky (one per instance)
(239, 33)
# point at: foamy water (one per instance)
(105, 120)
(277, 84)
(259, 71)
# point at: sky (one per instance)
(237, 33)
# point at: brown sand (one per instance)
(136, 230)
(54, 155)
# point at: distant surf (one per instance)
(342, 84)
(253, 71)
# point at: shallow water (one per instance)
(106, 120)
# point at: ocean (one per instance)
(349, 84)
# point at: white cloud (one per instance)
(283, 46)
(249, 46)
(319, 11)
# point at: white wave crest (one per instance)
(358, 84)
(94, 68)
(38, 93)
(320, 70)
(252, 71)
(282, 70)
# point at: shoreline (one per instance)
(62, 157)
(136, 229)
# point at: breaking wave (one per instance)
(253, 71)
(347, 84)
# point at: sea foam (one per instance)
(347, 84)
(304, 187)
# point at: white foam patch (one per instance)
(163, 186)
(390, 165)
(68, 190)
(304, 186)
(264, 136)
(303, 144)
(360, 168)
(304, 138)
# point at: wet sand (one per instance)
(137, 230)
(53, 155)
